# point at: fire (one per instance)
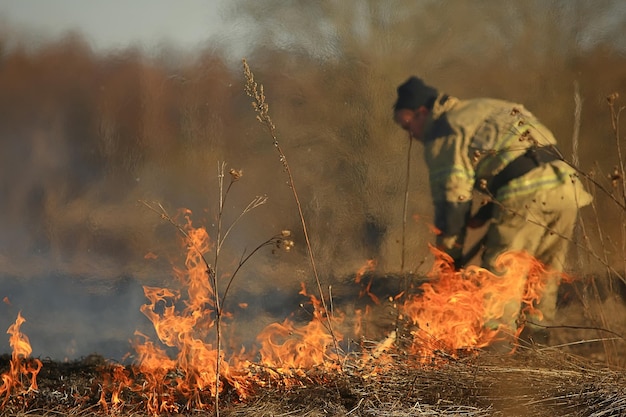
(21, 367)
(288, 349)
(471, 308)
(186, 367)
(115, 382)
(370, 265)
(185, 322)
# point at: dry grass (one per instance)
(533, 382)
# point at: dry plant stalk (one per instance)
(619, 175)
(405, 207)
(261, 107)
(281, 240)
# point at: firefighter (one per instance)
(501, 150)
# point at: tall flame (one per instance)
(470, 308)
(184, 323)
(454, 311)
(20, 367)
(288, 349)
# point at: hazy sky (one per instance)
(112, 24)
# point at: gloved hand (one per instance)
(483, 215)
(452, 248)
(476, 222)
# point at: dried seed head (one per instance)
(235, 174)
(285, 233)
(288, 244)
(476, 156)
(285, 244)
(615, 177)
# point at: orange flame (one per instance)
(12, 383)
(115, 382)
(185, 323)
(288, 349)
(369, 266)
(456, 311)
(468, 309)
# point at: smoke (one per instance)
(68, 318)
(86, 140)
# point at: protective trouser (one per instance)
(540, 223)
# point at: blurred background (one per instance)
(104, 105)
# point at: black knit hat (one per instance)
(413, 93)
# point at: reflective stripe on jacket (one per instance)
(468, 141)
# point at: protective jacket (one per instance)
(491, 145)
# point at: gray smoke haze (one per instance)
(84, 137)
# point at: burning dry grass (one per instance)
(380, 378)
(429, 363)
(531, 382)
(297, 371)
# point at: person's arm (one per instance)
(451, 177)
(451, 219)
